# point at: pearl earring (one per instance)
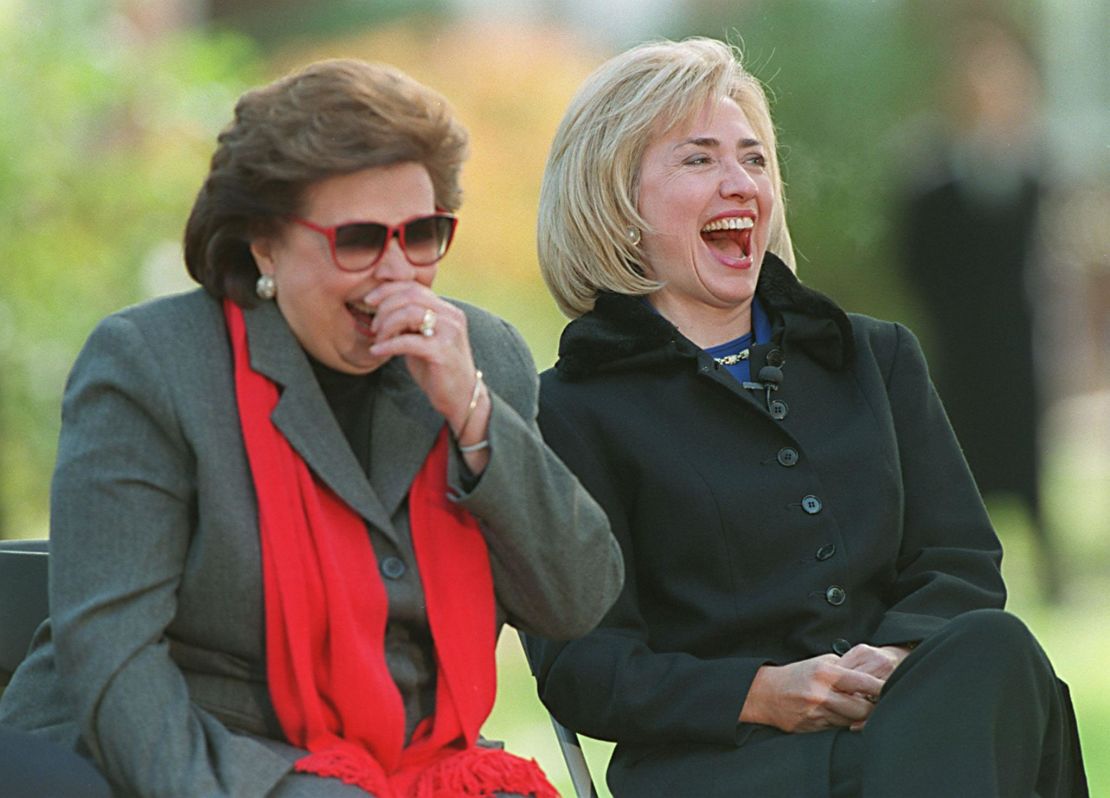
(265, 288)
(633, 234)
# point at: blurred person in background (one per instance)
(292, 510)
(813, 601)
(970, 222)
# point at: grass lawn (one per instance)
(1074, 632)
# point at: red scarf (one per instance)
(326, 613)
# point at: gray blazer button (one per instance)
(787, 456)
(393, 567)
(779, 410)
(826, 552)
(835, 595)
(840, 646)
(811, 504)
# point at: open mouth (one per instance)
(731, 236)
(363, 317)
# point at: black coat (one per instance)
(749, 538)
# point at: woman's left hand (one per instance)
(879, 661)
(440, 363)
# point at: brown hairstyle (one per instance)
(331, 118)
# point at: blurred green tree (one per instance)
(850, 83)
(276, 21)
(105, 140)
(843, 79)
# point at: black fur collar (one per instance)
(623, 332)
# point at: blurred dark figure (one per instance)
(970, 235)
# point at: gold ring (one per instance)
(428, 324)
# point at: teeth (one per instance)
(730, 223)
(361, 308)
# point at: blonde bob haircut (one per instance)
(588, 198)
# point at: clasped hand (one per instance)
(822, 692)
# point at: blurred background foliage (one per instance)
(104, 138)
(110, 110)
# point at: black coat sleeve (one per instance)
(611, 684)
(949, 558)
(556, 568)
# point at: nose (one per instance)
(737, 182)
(393, 265)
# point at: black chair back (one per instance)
(23, 599)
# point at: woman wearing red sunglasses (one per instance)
(292, 510)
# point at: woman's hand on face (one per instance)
(440, 363)
(811, 695)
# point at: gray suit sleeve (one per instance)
(122, 508)
(556, 566)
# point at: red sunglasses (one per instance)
(356, 246)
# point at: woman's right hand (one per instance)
(810, 695)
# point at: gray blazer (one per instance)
(152, 662)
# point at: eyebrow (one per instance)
(709, 141)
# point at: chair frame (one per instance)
(569, 745)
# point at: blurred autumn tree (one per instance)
(104, 141)
(107, 137)
(509, 86)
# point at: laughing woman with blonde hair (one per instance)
(813, 601)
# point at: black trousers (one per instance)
(31, 767)
(975, 711)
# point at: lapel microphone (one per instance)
(770, 378)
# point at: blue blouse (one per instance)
(741, 369)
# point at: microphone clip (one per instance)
(770, 378)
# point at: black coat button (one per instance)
(775, 358)
(393, 567)
(779, 409)
(835, 595)
(826, 551)
(787, 456)
(840, 646)
(811, 504)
